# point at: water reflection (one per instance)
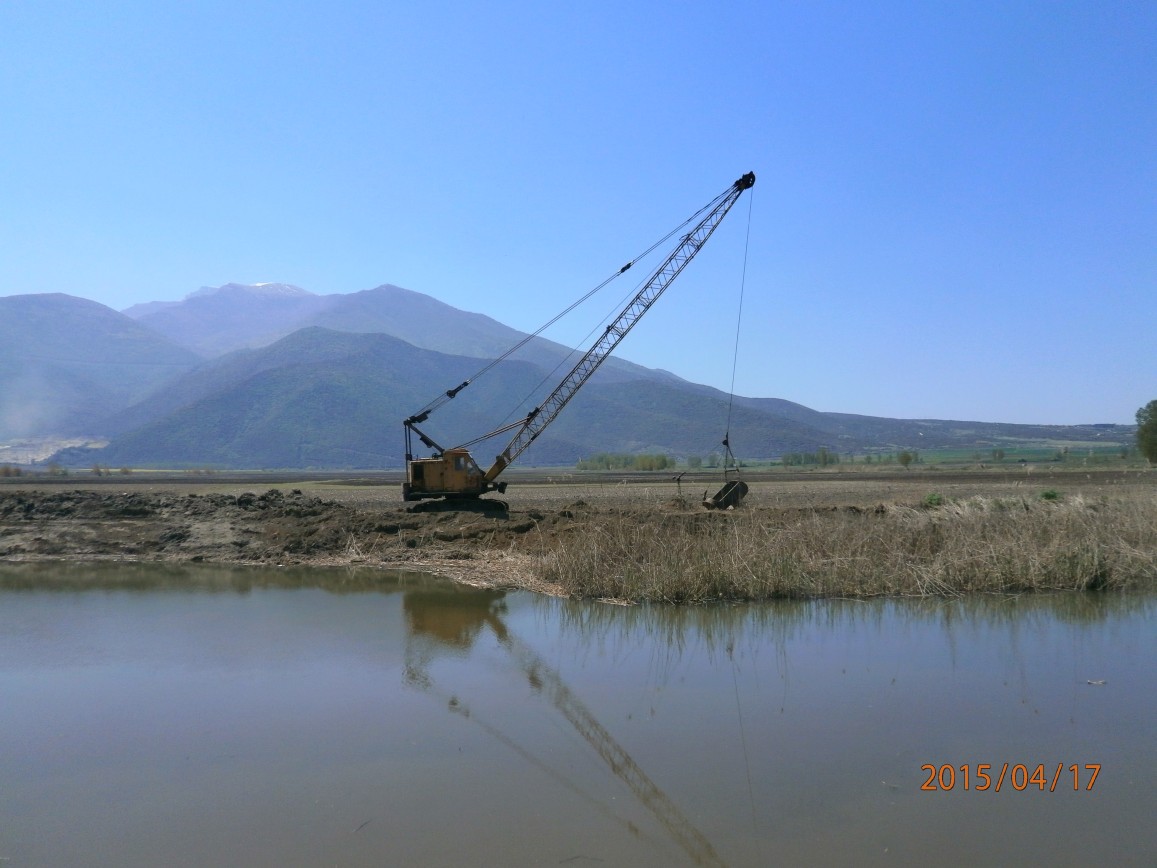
(445, 619)
(442, 621)
(194, 715)
(205, 578)
(713, 627)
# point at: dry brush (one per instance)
(997, 545)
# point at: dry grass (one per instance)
(798, 536)
(980, 544)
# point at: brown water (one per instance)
(211, 717)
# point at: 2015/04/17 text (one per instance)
(979, 777)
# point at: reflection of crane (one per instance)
(453, 621)
(453, 473)
(547, 680)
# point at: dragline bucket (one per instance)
(728, 496)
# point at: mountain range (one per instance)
(67, 362)
(273, 376)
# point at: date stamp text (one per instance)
(985, 777)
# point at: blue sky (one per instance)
(955, 214)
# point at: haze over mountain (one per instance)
(214, 321)
(325, 399)
(320, 398)
(334, 396)
(67, 362)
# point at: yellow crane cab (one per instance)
(452, 474)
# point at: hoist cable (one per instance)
(738, 325)
(451, 393)
(566, 360)
(632, 292)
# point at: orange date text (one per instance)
(986, 777)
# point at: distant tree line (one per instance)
(822, 457)
(105, 470)
(903, 458)
(623, 461)
(55, 469)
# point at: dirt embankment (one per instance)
(274, 528)
(791, 537)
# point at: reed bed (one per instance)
(976, 545)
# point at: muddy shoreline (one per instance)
(271, 528)
(347, 522)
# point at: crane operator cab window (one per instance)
(466, 464)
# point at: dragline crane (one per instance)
(453, 473)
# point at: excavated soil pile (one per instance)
(275, 528)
